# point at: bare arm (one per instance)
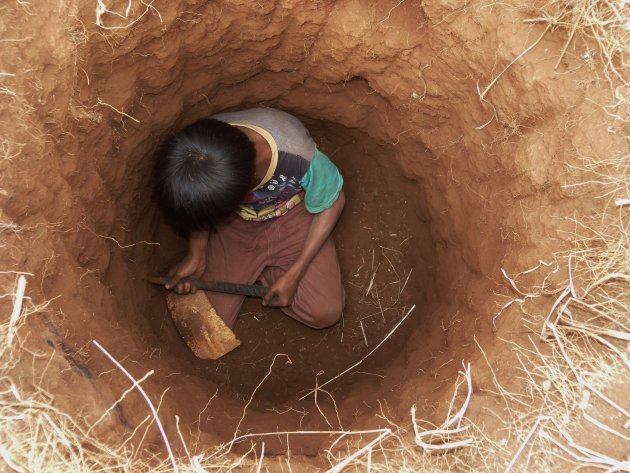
(320, 229)
(193, 264)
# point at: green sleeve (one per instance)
(321, 183)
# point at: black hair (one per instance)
(203, 173)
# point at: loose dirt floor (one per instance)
(483, 246)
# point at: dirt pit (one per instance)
(449, 175)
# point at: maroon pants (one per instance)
(244, 252)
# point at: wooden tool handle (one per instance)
(252, 290)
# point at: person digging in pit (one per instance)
(259, 202)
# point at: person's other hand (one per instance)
(281, 293)
(191, 267)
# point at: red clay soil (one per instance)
(443, 190)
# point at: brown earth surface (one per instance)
(443, 190)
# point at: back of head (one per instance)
(203, 173)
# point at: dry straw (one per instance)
(605, 23)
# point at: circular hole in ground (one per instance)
(389, 263)
(430, 200)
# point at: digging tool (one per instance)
(203, 330)
(252, 290)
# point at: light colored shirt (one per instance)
(297, 171)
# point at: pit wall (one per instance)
(77, 165)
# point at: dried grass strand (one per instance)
(146, 398)
(362, 359)
(17, 308)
